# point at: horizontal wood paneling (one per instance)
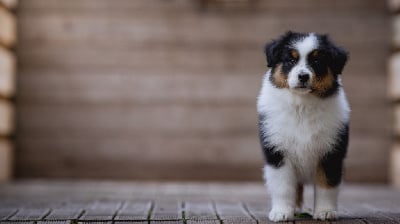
(162, 60)
(121, 85)
(150, 28)
(155, 89)
(217, 83)
(7, 73)
(223, 157)
(367, 158)
(110, 87)
(206, 157)
(166, 119)
(117, 119)
(168, 149)
(8, 28)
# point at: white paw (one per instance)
(325, 215)
(277, 215)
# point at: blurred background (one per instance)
(166, 89)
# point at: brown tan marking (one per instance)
(279, 79)
(299, 195)
(321, 85)
(315, 53)
(321, 179)
(295, 54)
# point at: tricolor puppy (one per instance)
(303, 122)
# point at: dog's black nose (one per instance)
(304, 77)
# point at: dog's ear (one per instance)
(273, 49)
(338, 56)
(270, 51)
(339, 59)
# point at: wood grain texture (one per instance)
(154, 150)
(166, 210)
(101, 210)
(5, 213)
(30, 214)
(64, 213)
(138, 210)
(258, 210)
(200, 210)
(123, 87)
(203, 221)
(21, 222)
(166, 222)
(235, 202)
(172, 85)
(54, 222)
(233, 212)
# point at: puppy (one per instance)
(303, 123)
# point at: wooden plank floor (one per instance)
(48, 202)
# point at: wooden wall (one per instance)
(167, 89)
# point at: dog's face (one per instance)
(305, 63)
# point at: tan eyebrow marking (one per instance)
(315, 53)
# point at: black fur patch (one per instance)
(272, 157)
(319, 63)
(278, 51)
(332, 163)
(337, 56)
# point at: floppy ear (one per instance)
(272, 49)
(338, 59)
(271, 53)
(338, 56)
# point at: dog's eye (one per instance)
(315, 61)
(292, 61)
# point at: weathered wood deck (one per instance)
(110, 202)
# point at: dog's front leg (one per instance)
(281, 182)
(325, 202)
(327, 181)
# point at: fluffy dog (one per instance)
(303, 123)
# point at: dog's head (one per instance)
(305, 63)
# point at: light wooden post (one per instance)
(394, 90)
(7, 86)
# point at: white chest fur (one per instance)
(304, 127)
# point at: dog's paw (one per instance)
(277, 215)
(325, 215)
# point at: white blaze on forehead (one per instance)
(306, 45)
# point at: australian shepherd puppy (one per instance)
(303, 123)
